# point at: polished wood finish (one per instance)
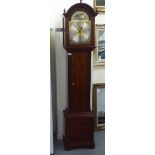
(79, 130)
(78, 118)
(79, 66)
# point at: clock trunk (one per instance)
(79, 65)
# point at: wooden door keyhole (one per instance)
(73, 84)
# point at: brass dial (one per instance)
(80, 28)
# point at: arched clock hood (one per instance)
(81, 6)
(66, 26)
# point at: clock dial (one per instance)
(80, 32)
(80, 28)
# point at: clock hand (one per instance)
(76, 27)
(80, 25)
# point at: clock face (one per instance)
(80, 28)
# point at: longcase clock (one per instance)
(78, 40)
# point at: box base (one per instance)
(79, 130)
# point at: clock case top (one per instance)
(67, 17)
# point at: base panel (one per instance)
(79, 130)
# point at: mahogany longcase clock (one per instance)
(78, 39)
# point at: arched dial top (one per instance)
(80, 28)
(80, 15)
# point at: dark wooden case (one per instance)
(79, 81)
(79, 130)
(78, 118)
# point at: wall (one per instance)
(98, 73)
(61, 61)
(53, 95)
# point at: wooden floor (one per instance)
(99, 137)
